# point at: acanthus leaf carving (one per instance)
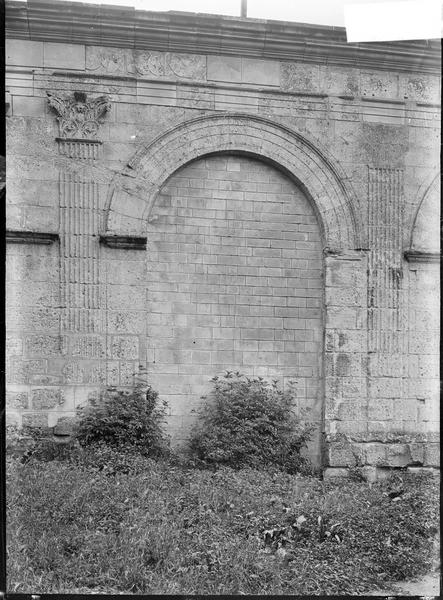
(79, 117)
(161, 64)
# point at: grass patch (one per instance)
(164, 529)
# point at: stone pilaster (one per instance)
(386, 207)
(82, 320)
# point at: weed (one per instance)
(159, 528)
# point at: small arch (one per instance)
(133, 192)
(423, 236)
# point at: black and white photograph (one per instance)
(222, 314)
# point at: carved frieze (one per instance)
(379, 85)
(166, 64)
(115, 61)
(420, 88)
(121, 61)
(296, 77)
(78, 117)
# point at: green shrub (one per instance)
(249, 422)
(131, 421)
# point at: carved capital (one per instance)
(79, 117)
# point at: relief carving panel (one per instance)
(166, 64)
(120, 61)
(379, 85)
(115, 61)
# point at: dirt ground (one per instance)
(428, 586)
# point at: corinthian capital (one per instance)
(79, 117)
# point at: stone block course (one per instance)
(64, 56)
(24, 53)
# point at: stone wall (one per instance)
(117, 256)
(234, 281)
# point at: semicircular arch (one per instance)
(133, 192)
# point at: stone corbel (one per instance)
(8, 103)
(414, 256)
(31, 237)
(124, 242)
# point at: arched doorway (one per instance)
(134, 195)
(234, 282)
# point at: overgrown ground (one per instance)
(164, 529)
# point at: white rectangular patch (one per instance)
(388, 21)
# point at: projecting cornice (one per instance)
(125, 27)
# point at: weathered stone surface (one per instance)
(277, 199)
(13, 418)
(381, 409)
(14, 346)
(296, 77)
(125, 347)
(87, 346)
(17, 400)
(24, 53)
(379, 85)
(432, 455)
(35, 419)
(398, 455)
(419, 87)
(64, 426)
(260, 72)
(38, 319)
(115, 61)
(332, 472)
(375, 453)
(224, 68)
(171, 65)
(342, 455)
(64, 56)
(21, 371)
(45, 345)
(384, 144)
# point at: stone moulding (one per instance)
(31, 237)
(124, 242)
(414, 256)
(126, 27)
(79, 148)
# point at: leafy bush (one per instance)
(127, 420)
(249, 422)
